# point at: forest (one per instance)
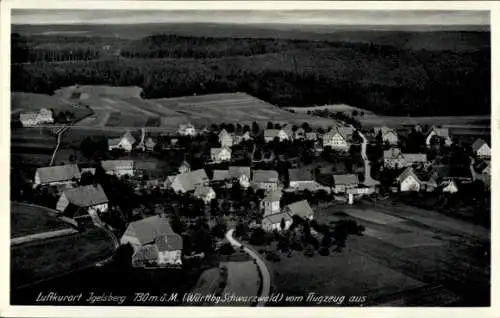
(381, 78)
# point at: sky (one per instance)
(323, 17)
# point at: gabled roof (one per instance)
(202, 191)
(114, 165)
(238, 171)
(311, 135)
(150, 228)
(415, 157)
(441, 132)
(383, 130)
(128, 137)
(218, 151)
(478, 144)
(392, 153)
(339, 179)
(58, 173)
(300, 208)
(150, 142)
(223, 133)
(406, 173)
(169, 242)
(86, 196)
(185, 164)
(345, 131)
(220, 175)
(272, 196)
(265, 176)
(277, 217)
(481, 166)
(300, 175)
(189, 180)
(28, 116)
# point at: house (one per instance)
(89, 200)
(483, 167)
(189, 181)
(311, 136)
(118, 167)
(409, 181)
(29, 119)
(444, 172)
(336, 139)
(225, 139)
(220, 154)
(415, 159)
(441, 133)
(343, 182)
(265, 179)
(220, 175)
(271, 134)
(88, 170)
(301, 179)
(149, 144)
(388, 135)
(481, 148)
(168, 182)
(299, 133)
(394, 158)
(187, 130)
(154, 242)
(184, 167)
(57, 175)
(206, 194)
(237, 139)
(274, 221)
(449, 186)
(242, 174)
(301, 209)
(125, 142)
(270, 204)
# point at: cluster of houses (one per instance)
(154, 242)
(34, 118)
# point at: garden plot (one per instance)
(373, 216)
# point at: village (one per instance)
(235, 176)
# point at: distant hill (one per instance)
(456, 38)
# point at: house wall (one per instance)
(244, 182)
(62, 203)
(484, 151)
(226, 141)
(132, 240)
(270, 207)
(450, 188)
(266, 185)
(342, 188)
(222, 156)
(170, 257)
(267, 226)
(410, 184)
(298, 184)
(336, 142)
(101, 208)
(391, 138)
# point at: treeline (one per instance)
(386, 81)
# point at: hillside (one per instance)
(382, 78)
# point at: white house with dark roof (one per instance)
(118, 167)
(57, 175)
(343, 182)
(409, 181)
(388, 135)
(271, 134)
(337, 139)
(84, 201)
(265, 179)
(33, 118)
(187, 130)
(225, 139)
(481, 148)
(442, 133)
(189, 181)
(220, 154)
(301, 209)
(301, 178)
(270, 204)
(154, 242)
(125, 142)
(394, 158)
(273, 222)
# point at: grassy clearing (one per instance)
(243, 280)
(26, 220)
(41, 260)
(117, 119)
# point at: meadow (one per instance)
(26, 219)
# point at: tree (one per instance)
(258, 237)
(282, 224)
(354, 113)
(226, 249)
(270, 125)
(255, 128)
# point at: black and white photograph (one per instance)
(250, 158)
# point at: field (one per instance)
(407, 256)
(243, 280)
(60, 255)
(32, 146)
(26, 220)
(29, 101)
(333, 108)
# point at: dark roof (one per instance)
(300, 175)
(265, 176)
(277, 217)
(150, 228)
(237, 171)
(86, 196)
(189, 180)
(345, 179)
(58, 173)
(478, 144)
(169, 242)
(300, 208)
(113, 165)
